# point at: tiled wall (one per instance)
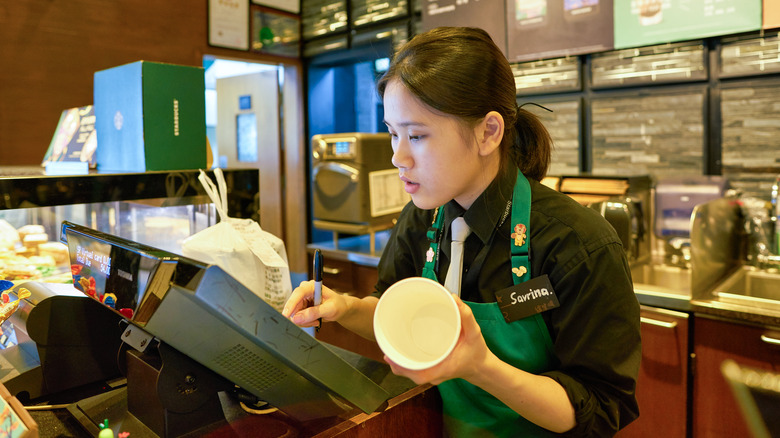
(659, 135)
(644, 65)
(748, 55)
(563, 124)
(666, 110)
(751, 137)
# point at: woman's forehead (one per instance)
(402, 108)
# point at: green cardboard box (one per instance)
(150, 116)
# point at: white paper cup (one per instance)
(417, 323)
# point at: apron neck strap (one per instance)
(429, 269)
(521, 219)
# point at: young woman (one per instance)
(464, 149)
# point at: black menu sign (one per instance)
(538, 29)
(484, 14)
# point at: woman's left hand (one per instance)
(465, 359)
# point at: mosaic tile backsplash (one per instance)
(563, 123)
(660, 135)
(751, 138)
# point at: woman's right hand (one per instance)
(301, 310)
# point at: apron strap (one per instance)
(429, 269)
(521, 221)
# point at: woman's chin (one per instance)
(424, 203)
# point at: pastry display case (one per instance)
(55, 339)
(159, 209)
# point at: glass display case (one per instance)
(159, 209)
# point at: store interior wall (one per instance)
(51, 50)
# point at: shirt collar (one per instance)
(486, 212)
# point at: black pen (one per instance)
(318, 281)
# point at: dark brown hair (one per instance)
(461, 72)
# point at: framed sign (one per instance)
(293, 6)
(229, 24)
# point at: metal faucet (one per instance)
(679, 252)
(768, 261)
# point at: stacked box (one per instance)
(150, 116)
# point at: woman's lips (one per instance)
(410, 186)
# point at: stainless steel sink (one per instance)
(749, 286)
(664, 279)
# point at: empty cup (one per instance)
(417, 323)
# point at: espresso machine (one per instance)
(355, 187)
(354, 180)
(624, 201)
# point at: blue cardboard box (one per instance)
(150, 116)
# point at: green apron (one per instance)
(526, 344)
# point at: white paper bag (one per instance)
(241, 248)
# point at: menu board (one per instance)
(539, 29)
(474, 13)
(771, 14)
(645, 22)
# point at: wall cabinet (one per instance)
(662, 386)
(715, 410)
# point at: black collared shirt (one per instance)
(595, 331)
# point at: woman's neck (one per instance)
(490, 167)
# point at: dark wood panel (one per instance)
(337, 275)
(716, 413)
(415, 413)
(662, 386)
(51, 50)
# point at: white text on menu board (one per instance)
(88, 258)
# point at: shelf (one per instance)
(30, 188)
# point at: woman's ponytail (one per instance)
(531, 147)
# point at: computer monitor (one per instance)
(207, 315)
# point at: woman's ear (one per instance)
(490, 131)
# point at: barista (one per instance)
(464, 149)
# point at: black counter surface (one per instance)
(55, 420)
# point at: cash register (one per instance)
(191, 333)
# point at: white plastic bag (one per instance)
(241, 248)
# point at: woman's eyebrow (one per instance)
(405, 124)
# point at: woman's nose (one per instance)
(401, 157)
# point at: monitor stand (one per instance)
(167, 394)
